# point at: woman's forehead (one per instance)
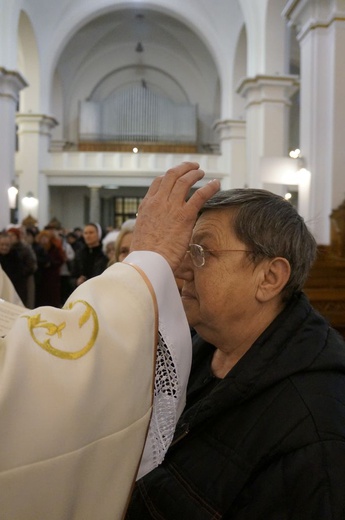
(213, 221)
(215, 225)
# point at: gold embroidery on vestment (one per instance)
(36, 322)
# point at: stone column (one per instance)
(267, 119)
(232, 135)
(95, 204)
(10, 85)
(321, 35)
(34, 133)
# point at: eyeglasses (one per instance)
(198, 253)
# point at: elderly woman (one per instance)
(123, 242)
(262, 435)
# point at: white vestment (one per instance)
(76, 393)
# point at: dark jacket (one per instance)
(89, 262)
(19, 264)
(265, 443)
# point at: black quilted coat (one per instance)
(265, 443)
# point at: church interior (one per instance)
(98, 98)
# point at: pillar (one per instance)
(267, 119)
(232, 136)
(10, 85)
(34, 134)
(321, 35)
(95, 207)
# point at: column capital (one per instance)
(29, 123)
(230, 128)
(308, 15)
(273, 89)
(11, 83)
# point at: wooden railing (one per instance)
(143, 147)
(325, 287)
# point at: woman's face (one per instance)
(91, 237)
(13, 238)
(44, 240)
(110, 250)
(125, 246)
(5, 245)
(219, 298)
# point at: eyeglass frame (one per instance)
(202, 252)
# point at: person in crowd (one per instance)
(123, 241)
(66, 281)
(109, 250)
(91, 260)
(41, 255)
(76, 395)
(12, 265)
(262, 435)
(79, 232)
(48, 290)
(122, 246)
(75, 242)
(29, 265)
(108, 242)
(8, 292)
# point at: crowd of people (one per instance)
(46, 265)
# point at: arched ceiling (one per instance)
(103, 55)
(119, 33)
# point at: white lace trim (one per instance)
(164, 415)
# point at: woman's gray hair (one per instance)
(269, 226)
(127, 227)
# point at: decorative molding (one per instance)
(29, 123)
(11, 83)
(230, 129)
(268, 89)
(301, 14)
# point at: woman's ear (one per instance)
(275, 275)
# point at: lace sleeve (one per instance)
(167, 394)
(174, 357)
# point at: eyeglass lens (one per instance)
(197, 254)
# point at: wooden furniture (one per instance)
(325, 286)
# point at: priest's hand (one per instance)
(166, 219)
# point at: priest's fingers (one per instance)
(177, 172)
(166, 184)
(201, 195)
(153, 189)
(176, 183)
